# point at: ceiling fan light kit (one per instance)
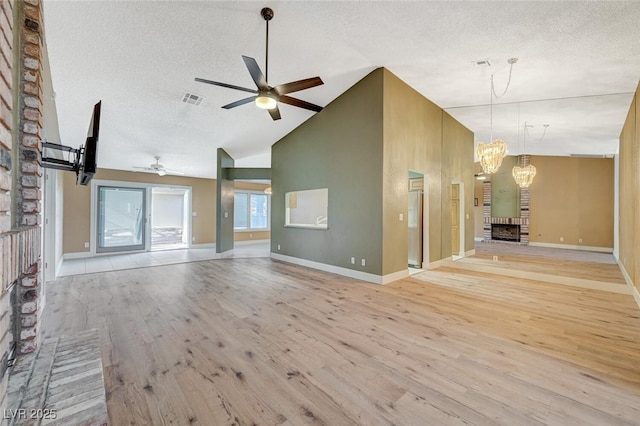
(265, 96)
(158, 168)
(266, 102)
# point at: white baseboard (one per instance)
(203, 245)
(470, 253)
(573, 247)
(248, 242)
(78, 255)
(433, 265)
(478, 239)
(359, 275)
(627, 278)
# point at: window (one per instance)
(307, 209)
(251, 211)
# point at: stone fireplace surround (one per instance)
(522, 221)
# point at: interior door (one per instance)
(121, 219)
(455, 219)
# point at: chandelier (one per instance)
(491, 155)
(524, 172)
(524, 175)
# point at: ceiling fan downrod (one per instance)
(267, 15)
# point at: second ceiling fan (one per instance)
(266, 96)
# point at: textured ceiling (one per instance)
(579, 63)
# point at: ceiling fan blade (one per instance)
(141, 168)
(173, 172)
(296, 86)
(228, 86)
(240, 102)
(299, 103)
(256, 73)
(275, 113)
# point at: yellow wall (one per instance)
(572, 198)
(77, 205)
(421, 137)
(254, 235)
(629, 207)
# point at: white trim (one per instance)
(471, 252)
(59, 266)
(78, 255)
(359, 275)
(627, 278)
(572, 247)
(247, 242)
(433, 265)
(616, 205)
(203, 245)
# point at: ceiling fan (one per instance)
(266, 96)
(158, 168)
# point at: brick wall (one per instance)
(523, 220)
(28, 174)
(6, 146)
(20, 177)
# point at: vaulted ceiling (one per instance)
(578, 64)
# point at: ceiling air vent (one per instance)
(481, 63)
(190, 98)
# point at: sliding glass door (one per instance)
(121, 219)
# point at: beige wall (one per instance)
(572, 198)
(254, 235)
(629, 207)
(421, 137)
(77, 205)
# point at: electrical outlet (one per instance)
(250, 236)
(353, 260)
(194, 214)
(193, 239)
(278, 247)
(467, 216)
(401, 217)
(580, 241)
(561, 239)
(226, 214)
(86, 245)
(495, 258)
(363, 262)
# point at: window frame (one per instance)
(249, 192)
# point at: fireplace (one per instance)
(505, 232)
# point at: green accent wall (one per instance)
(505, 192)
(224, 203)
(362, 147)
(339, 149)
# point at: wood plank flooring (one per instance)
(254, 341)
(597, 266)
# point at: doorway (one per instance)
(169, 225)
(457, 220)
(121, 219)
(415, 213)
(135, 216)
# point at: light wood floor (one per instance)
(254, 341)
